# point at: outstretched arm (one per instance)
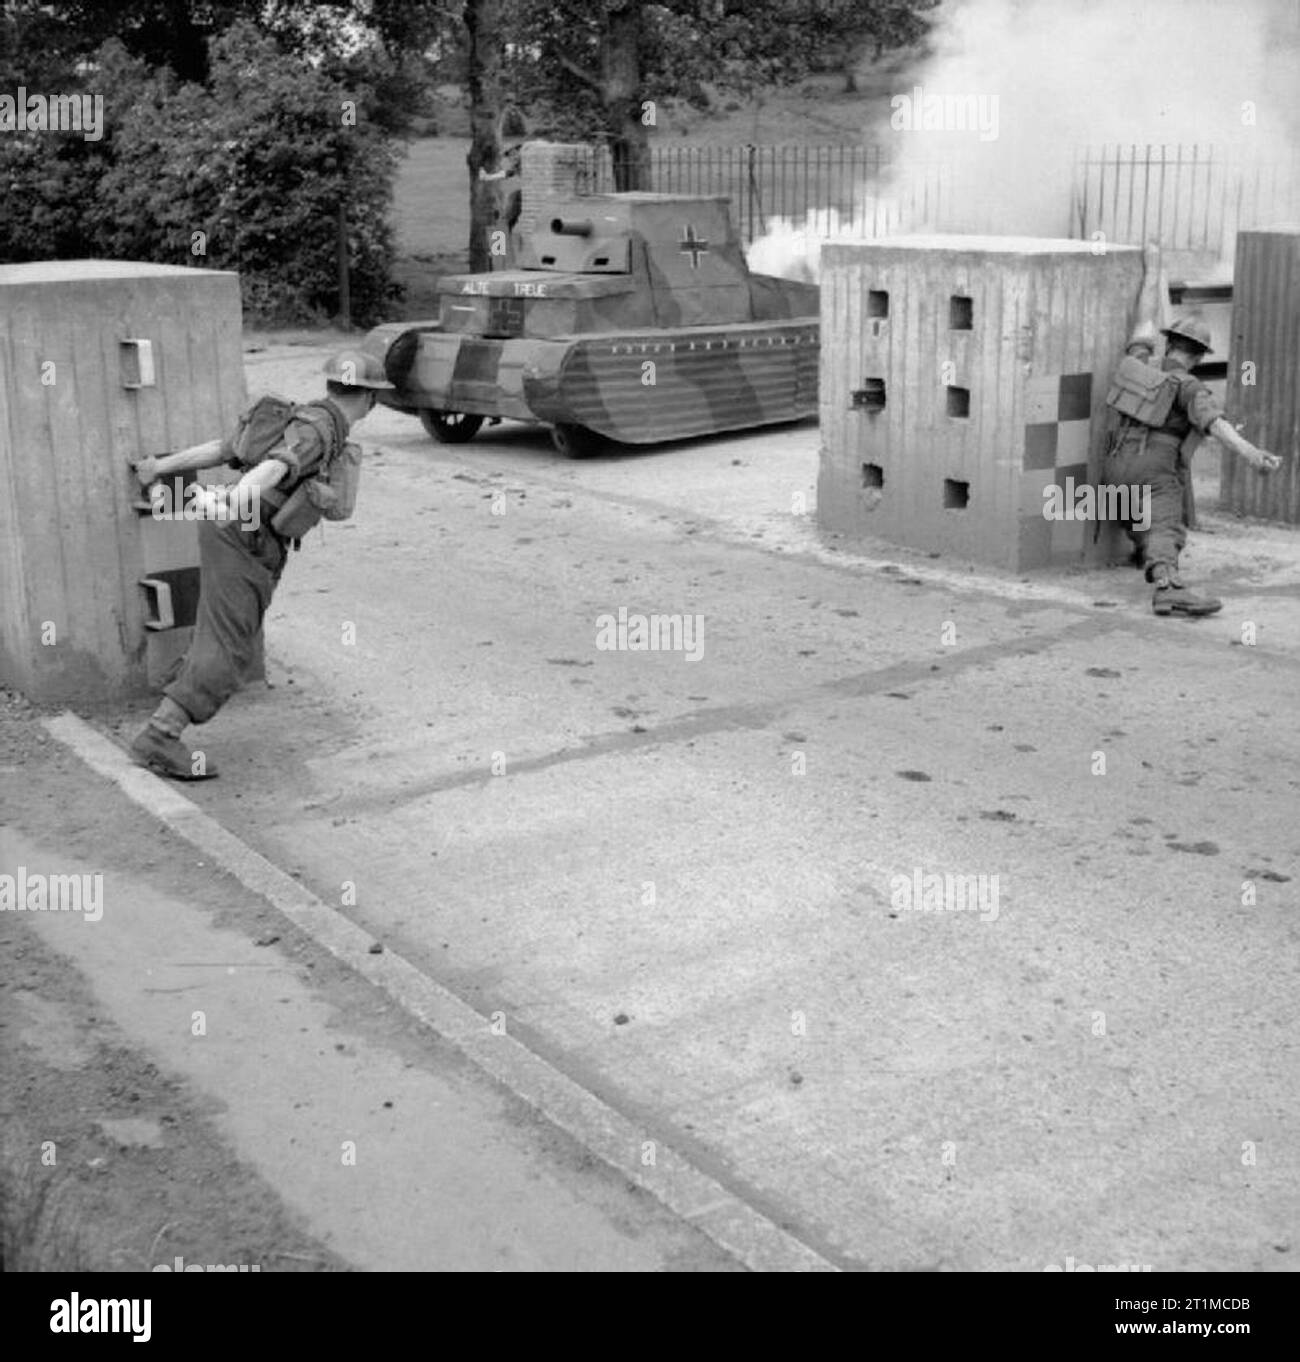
(1230, 439)
(1153, 301)
(207, 455)
(260, 477)
(1207, 418)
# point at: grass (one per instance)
(431, 198)
(431, 220)
(815, 113)
(39, 1229)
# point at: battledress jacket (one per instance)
(1195, 408)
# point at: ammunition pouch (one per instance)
(1142, 392)
(334, 490)
(296, 516)
(330, 495)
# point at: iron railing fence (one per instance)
(1189, 198)
(853, 190)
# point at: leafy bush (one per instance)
(248, 173)
(50, 182)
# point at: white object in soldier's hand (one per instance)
(208, 503)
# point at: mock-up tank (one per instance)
(631, 317)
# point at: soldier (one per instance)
(512, 189)
(240, 566)
(507, 205)
(1164, 412)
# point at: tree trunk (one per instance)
(188, 48)
(483, 20)
(620, 89)
(855, 54)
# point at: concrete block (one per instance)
(960, 375)
(102, 362)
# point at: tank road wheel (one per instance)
(575, 442)
(450, 427)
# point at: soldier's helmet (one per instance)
(356, 369)
(1190, 329)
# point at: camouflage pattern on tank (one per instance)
(634, 316)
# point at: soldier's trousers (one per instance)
(238, 573)
(1159, 471)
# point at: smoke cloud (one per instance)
(1164, 72)
(982, 135)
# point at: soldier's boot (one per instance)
(1173, 598)
(158, 745)
(167, 756)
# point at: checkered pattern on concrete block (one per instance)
(1058, 432)
(1058, 408)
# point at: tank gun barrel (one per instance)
(572, 226)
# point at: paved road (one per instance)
(690, 883)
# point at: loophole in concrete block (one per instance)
(956, 494)
(960, 317)
(871, 396)
(958, 402)
(873, 476)
(877, 302)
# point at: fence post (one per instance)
(749, 190)
(345, 284)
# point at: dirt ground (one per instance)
(140, 1175)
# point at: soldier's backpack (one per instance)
(1142, 392)
(260, 429)
(329, 494)
(1146, 395)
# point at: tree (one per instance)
(53, 184)
(172, 33)
(890, 24)
(610, 63)
(374, 38)
(484, 83)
